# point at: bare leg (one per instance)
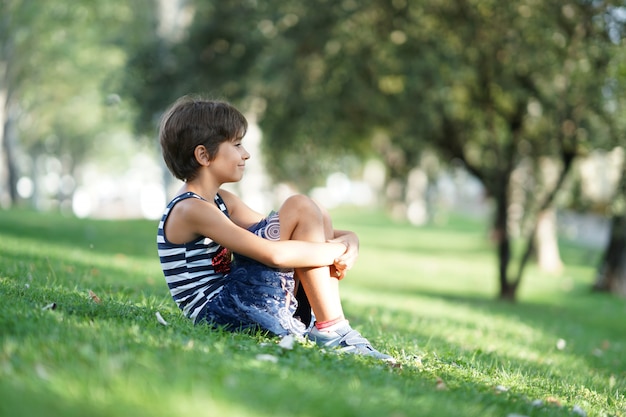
(302, 219)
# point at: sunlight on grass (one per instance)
(425, 294)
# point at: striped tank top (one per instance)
(196, 271)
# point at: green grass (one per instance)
(426, 295)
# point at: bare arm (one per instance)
(202, 218)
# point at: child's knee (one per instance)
(303, 207)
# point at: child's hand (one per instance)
(337, 273)
(346, 261)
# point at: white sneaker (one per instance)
(347, 340)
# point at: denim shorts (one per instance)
(256, 296)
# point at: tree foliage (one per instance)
(60, 73)
(493, 84)
(527, 95)
(497, 86)
(611, 274)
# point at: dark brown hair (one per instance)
(193, 121)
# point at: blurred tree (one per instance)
(526, 94)
(496, 85)
(208, 49)
(289, 62)
(197, 47)
(320, 95)
(611, 274)
(57, 77)
(11, 35)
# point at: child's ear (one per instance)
(202, 155)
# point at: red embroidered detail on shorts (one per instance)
(221, 261)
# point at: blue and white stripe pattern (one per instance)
(196, 271)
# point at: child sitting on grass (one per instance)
(290, 258)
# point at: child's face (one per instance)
(230, 161)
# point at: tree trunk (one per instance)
(501, 237)
(611, 275)
(612, 271)
(415, 197)
(567, 158)
(8, 116)
(546, 243)
(398, 162)
(8, 139)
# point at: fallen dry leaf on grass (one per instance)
(554, 401)
(94, 297)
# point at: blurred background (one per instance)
(513, 112)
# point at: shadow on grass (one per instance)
(302, 381)
(118, 274)
(131, 237)
(591, 322)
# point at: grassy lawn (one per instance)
(79, 334)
